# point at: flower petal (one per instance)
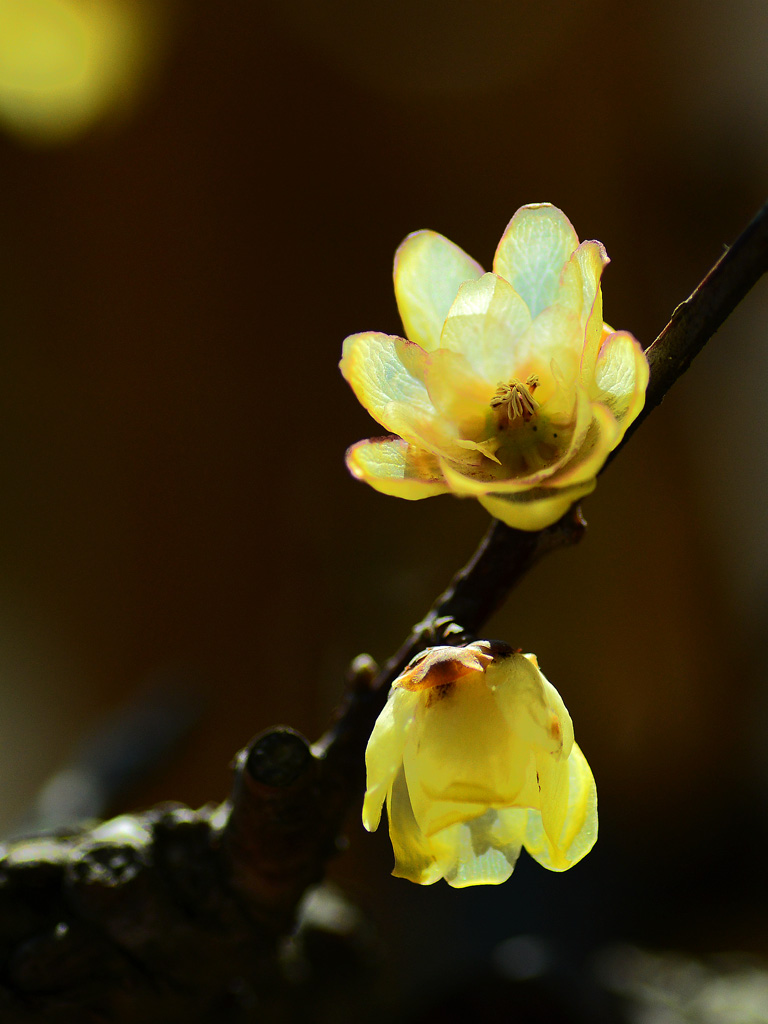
(528, 702)
(429, 269)
(461, 758)
(589, 458)
(395, 467)
(580, 291)
(532, 252)
(482, 851)
(458, 393)
(386, 374)
(414, 858)
(384, 753)
(537, 508)
(566, 829)
(621, 377)
(555, 334)
(483, 324)
(557, 706)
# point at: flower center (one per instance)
(516, 400)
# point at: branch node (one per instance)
(361, 674)
(274, 838)
(276, 758)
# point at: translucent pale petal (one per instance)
(434, 816)
(580, 291)
(555, 332)
(414, 858)
(553, 775)
(510, 826)
(533, 510)
(463, 728)
(479, 852)
(457, 392)
(473, 481)
(578, 831)
(384, 753)
(532, 252)
(484, 323)
(526, 700)
(386, 374)
(621, 378)
(395, 467)
(588, 459)
(556, 704)
(429, 269)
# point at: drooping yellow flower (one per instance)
(511, 388)
(475, 756)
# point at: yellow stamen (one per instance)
(517, 398)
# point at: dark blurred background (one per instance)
(180, 260)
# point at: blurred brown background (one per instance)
(175, 283)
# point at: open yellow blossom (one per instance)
(474, 754)
(511, 388)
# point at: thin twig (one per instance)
(695, 321)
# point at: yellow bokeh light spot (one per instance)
(66, 63)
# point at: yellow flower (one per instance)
(511, 388)
(474, 753)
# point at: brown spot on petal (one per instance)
(438, 693)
